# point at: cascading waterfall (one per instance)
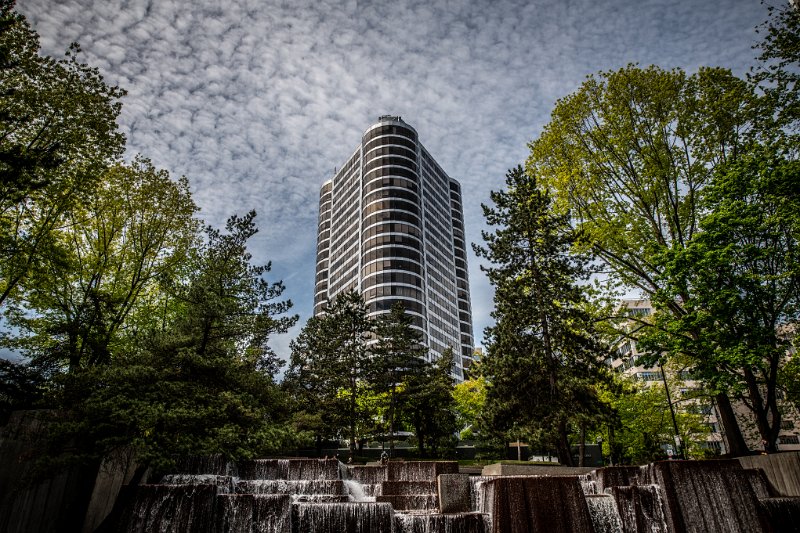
(356, 492)
(168, 508)
(603, 510)
(211, 464)
(782, 511)
(477, 493)
(409, 495)
(253, 513)
(298, 496)
(369, 479)
(321, 490)
(758, 482)
(310, 495)
(367, 474)
(588, 485)
(554, 504)
(223, 483)
(292, 469)
(641, 508)
(442, 523)
(706, 496)
(265, 469)
(615, 476)
(344, 518)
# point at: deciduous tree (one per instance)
(469, 397)
(107, 260)
(645, 425)
(204, 384)
(743, 271)
(630, 154)
(58, 132)
(776, 73)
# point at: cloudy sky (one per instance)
(257, 101)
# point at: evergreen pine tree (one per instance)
(330, 362)
(543, 357)
(399, 353)
(429, 406)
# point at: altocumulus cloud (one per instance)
(257, 101)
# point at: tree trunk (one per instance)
(352, 446)
(564, 451)
(391, 423)
(352, 441)
(771, 406)
(733, 435)
(420, 440)
(582, 444)
(769, 432)
(612, 458)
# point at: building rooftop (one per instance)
(391, 117)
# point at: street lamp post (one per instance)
(678, 441)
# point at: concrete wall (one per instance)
(115, 471)
(499, 469)
(76, 499)
(52, 504)
(782, 470)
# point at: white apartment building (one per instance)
(391, 226)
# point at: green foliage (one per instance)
(469, 397)
(57, 133)
(79, 304)
(199, 384)
(543, 356)
(164, 403)
(226, 306)
(349, 373)
(644, 424)
(789, 378)
(429, 407)
(21, 387)
(631, 153)
(776, 72)
(743, 270)
(398, 354)
(377, 405)
(330, 358)
(145, 336)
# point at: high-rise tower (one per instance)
(391, 226)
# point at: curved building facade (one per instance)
(391, 226)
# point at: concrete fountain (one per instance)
(324, 495)
(298, 495)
